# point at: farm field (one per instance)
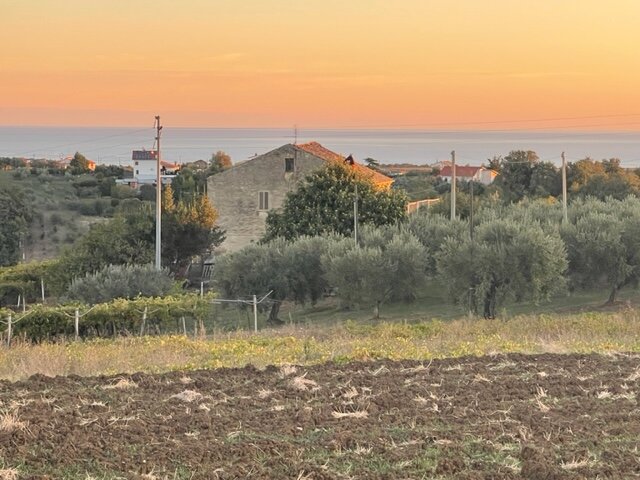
(544, 416)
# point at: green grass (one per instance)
(433, 304)
(601, 332)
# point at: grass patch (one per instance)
(343, 342)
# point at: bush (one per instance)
(122, 192)
(121, 281)
(55, 219)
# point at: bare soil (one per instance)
(499, 417)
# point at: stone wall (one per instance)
(235, 192)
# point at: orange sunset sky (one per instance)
(321, 63)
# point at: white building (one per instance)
(145, 167)
(467, 173)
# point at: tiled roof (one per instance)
(314, 148)
(169, 164)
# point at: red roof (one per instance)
(314, 148)
(169, 164)
(461, 171)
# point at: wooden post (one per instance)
(184, 326)
(144, 321)
(9, 330)
(42, 288)
(76, 324)
(201, 289)
(255, 314)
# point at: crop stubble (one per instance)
(496, 417)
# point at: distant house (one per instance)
(467, 173)
(244, 193)
(145, 167)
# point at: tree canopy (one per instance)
(323, 204)
(15, 215)
(79, 164)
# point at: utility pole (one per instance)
(471, 212)
(158, 197)
(564, 189)
(471, 249)
(295, 134)
(355, 213)
(453, 185)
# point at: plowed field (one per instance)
(498, 417)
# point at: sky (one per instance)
(543, 64)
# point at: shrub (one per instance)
(121, 281)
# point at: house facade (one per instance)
(467, 173)
(244, 194)
(145, 167)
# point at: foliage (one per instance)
(388, 265)
(25, 279)
(602, 179)
(219, 161)
(120, 281)
(15, 215)
(523, 175)
(119, 316)
(126, 239)
(419, 185)
(190, 183)
(188, 229)
(129, 238)
(323, 204)
(291, 270)
(504, 260)
(432, 231)
(255, 270)
(603, 240)
(79, 164)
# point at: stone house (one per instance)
(244, 194)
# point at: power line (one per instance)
(84, 141)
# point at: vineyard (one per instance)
(119, 317)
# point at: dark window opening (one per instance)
(263, 203)
(289, 165)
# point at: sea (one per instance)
(113, 145)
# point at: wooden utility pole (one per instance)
(453, 185)
(158, 197)
(355, 213)
(564, 189)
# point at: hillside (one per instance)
(64, 206)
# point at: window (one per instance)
(289, 165)
(137, 172)
(263, 203)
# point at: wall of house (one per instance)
(235, 193)
(144, 171)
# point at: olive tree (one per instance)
(603, 240)
(506, 260)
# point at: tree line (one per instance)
(516, 252)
